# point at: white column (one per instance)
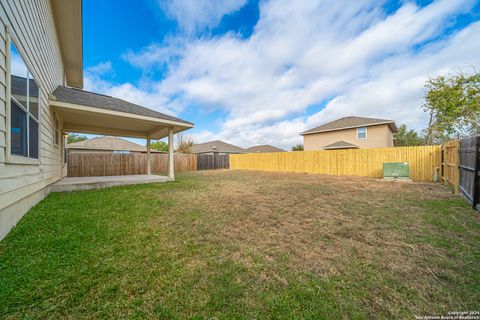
(149, 158)
(171, 171)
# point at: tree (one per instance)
(73, 137)
(453, 104)
(298, 147)
(159, 145)
(184, 145)
(407, 137)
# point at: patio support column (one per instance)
(149, 157)
(171, 171)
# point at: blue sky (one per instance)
(257, 72)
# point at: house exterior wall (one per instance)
(377, 137)
(30, 25)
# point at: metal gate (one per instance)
(469, 169)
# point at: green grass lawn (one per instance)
(235, 244)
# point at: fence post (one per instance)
(149, 157)
(475, 177)
(456, 174)
(443, 170)
(171, 170)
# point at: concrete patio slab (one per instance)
(88, 183)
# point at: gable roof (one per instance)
(90, 99)
(351, 122)
(107, 143)
(216, 145)
(341, 145)
(264, 149)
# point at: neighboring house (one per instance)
(264, 149)
(217, 146)
(107, 144)
(41, 77)
(351, 133)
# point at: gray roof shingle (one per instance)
(90, 99)
(264, 149)
(107, 143)
(218, 146)
(341, 145)
(351, 122)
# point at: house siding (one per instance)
(377, 137)
(30, 25)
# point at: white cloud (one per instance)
(101, 69)
(142, 95)
(198, 15)
(17, 65)
(354, 55)
(156, 55)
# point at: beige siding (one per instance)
(3, 109)
(377, 137)
(31, 26)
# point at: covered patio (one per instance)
(91, 113)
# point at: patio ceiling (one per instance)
(87, 112)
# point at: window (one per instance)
(24, 108)
(362, 133)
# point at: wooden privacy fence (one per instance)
(422, 161)
(110, 164)
(450, 164)
(469, 170)
(215, 161)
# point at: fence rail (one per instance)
(110, 164)
(422, 160)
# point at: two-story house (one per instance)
(351, 133)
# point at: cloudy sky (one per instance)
(261, 72)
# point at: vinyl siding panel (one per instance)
(31, 26)
(3, 110)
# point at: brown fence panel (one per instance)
(213, 161)
(222, 162)
(111, 164)
(185, 162)
(469, 169)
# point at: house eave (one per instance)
(340, 147)
(92, 120)
(391, 125)
(68, 23)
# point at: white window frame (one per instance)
(13, 158)
(365, 133)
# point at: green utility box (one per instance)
(395, 170)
